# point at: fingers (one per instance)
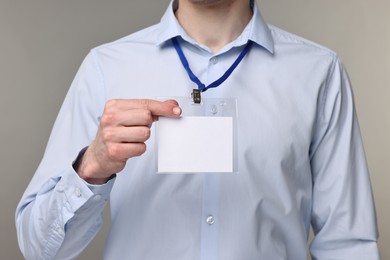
(138, 112)
(120, 152)
(135, 134)
(157, 108)
(124, 128)
(133, 117)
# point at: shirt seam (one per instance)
(324, 97)
(299, 40)
(99, 70)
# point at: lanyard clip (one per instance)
(196, 96)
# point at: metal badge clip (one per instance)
(196, 96)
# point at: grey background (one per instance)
(43, 43)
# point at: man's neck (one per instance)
(214, 24)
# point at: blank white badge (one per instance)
(195, 145)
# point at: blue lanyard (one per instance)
(202, 87)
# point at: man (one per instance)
(300, 155)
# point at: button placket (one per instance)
(209, 232)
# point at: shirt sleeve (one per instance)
(343, 213)
(60, 213)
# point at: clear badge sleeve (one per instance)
(202, 140)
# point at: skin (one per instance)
(123, 130)
(125, 124)
(214, 23)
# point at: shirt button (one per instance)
(214, 60)
(97, 197)
(77, 192)
(213, 110)
(210, 220)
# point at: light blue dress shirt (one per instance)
(300, 158)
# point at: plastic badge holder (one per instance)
(203, 140)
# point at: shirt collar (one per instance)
(256, 30)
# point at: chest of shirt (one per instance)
(276, 97)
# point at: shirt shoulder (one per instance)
(284, 40)
(146, 36)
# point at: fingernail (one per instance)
(177, 110)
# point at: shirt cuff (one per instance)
(78, 192)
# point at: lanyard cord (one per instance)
(202, 87)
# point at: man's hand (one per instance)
(123, 130)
